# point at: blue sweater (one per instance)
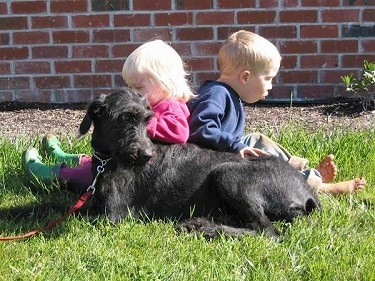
(217, 118)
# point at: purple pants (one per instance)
(81, 174)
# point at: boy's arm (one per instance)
(169, 123)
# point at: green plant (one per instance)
(363, 87)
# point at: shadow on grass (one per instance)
(52, 202)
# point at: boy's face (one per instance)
(256, 85)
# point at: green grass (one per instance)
(335, 244)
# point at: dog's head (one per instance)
(120, 127)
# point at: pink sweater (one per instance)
(170, 123)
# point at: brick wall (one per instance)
(72, 50)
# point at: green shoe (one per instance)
(52, 146)
(35, 169)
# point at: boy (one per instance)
(248, 63)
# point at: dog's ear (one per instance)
(94, 111)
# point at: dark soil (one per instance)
(35, 119)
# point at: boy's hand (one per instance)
(252, 151)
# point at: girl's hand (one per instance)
(252, 151)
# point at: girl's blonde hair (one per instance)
(248, 50)
(164, 65)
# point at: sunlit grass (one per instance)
(335, 244)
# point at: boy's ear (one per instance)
(244, 76)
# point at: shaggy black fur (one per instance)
(207, 191)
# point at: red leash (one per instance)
(81, 201)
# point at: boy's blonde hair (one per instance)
(248, 50)
(164, 65)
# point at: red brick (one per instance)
(90, 21)
(109, 5)
(224, 32)
(200, 63)
(3, 8)
(332, 76)
(73, 66)
(119, 82)
(254, 16)
(71, 6)
(300, 16)
(362, 3)
(4, 39)
(12, 82)
(320, 3)
(49, 52)
(111, 66)
(214, 18)
(279, 92)
(236, 4)
(28, 7)
(339, 46)
(113, 35)
(315, 91)
(352, 61)
(27, 67)
(297, 76)
(90, 51)
(183, 49)
(200, 77)
(283, 31)
(70, 36)
(193, 5)
(192, 34)
(268, 3)
(143, 35)
(31, 37)
(368, 46)
(151, 5)
(132, 20)
(72, 95)
(14, 53)
(289, 3)
(319, 61)
(319, 31)
(51, 82)
(369, 14)
(207, 48)
(123, 50)
(4, 68)
(12, 23)
(180, 18)
(340, 15)
(92, 81)
(298, 47)
(288, 62)
(49, 22)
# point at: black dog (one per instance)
(206, 190)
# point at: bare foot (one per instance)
(354, 185)
(327, 169)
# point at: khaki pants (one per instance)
(257, 140)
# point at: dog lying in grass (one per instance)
(204, 190)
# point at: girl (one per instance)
(157, 72)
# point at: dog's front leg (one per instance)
(115, 193)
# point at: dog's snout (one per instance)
(144, 155)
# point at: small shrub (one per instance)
(364, 87)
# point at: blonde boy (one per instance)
(248, 63)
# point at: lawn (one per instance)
(335, 244)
